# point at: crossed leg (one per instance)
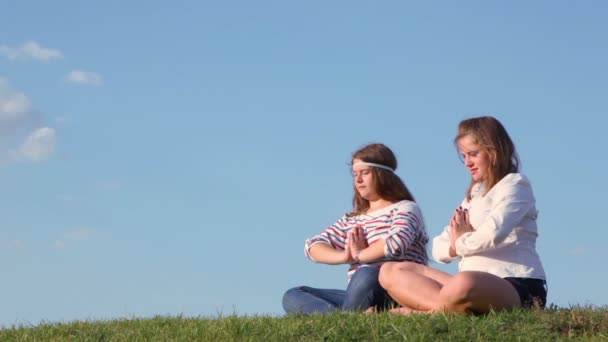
(419, 288)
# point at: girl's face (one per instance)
(476, 160)
(364, 180)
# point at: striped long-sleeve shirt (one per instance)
(399, 226)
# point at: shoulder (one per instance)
(406, 206)
(410, 212)
(513, 184)
(348, 218)
(514, 180)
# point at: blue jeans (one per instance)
(363, 291)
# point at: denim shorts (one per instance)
(532, 292)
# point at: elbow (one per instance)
(440, 251)
(442, 259)
(393, 249)
(391, 254)
(308, 252)
(437, 256)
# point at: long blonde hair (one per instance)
(492, 137)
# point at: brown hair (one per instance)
(493, 139)
(388, 185)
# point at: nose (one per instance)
(467, 161)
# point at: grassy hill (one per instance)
(584, 323)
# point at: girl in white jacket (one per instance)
(493, 233)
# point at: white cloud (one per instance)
(12, 245)
(84, 77)
(14, 106)
(30, 50)
(59, 244)
(21, 137)
(17, 244)
(38, 146)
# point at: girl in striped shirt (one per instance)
(385, 225)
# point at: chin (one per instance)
(365, 196)
(478, 178)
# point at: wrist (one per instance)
(358, 257)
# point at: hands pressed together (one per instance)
(459, 224)
(355, 243)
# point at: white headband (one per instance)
(375, 165)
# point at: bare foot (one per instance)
(371, 310)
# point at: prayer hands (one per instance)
(347, 256)
(459, 224)
(357, 241)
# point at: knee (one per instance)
(386, 271)
(365, 275)
(363, 290)
(389, 270)
(456, 295)
(289, 295)
(363, 282)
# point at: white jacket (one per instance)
(504, 240)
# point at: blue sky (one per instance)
(165, 158)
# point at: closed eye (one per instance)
(470, 154)
(362, 172)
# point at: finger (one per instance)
(467, 221)
(458, 218)
(457, 213)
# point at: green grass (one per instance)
(583, 323)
